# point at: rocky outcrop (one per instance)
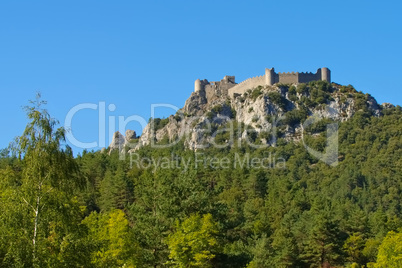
(119, 141)
(264, 109)
(130, 135)
(387, 105)
(195, 104)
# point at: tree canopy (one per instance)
(95, 210)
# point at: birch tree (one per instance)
(49, 174)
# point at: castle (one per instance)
(228, 87)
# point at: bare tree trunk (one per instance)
(36, 221)
(36, 210)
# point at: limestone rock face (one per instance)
(130, 135)
(387, 105)
(117, 142)
(195, 104)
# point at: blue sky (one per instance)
(135, 53)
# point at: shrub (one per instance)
(160, 123)
(277, 99)
(347, 89)
(292, 93)
(269, 118)
(280, 85)
(177, 117)
(209, 115)
(302, 89)
(295, 116)
(232, 113)
(217, 109)
(321, 85)
(256, 93)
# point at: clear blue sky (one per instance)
(135, 53)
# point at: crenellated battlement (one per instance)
(250, 79)
(228, 86)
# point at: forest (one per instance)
(96, 210)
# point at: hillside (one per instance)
(239, 188)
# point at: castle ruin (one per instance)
(228, 87)
(217, 88)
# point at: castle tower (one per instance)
(269, 76)
(197, 85)
(325, 74)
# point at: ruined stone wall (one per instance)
(247, 84)
(210, 92)
(214, 89)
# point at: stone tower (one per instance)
(325, 74)
(197, 85)
(269, 76)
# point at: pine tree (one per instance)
(323, 248)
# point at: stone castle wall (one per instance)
(293, 78)
(228, 87)
(270, 78)
(247, 84)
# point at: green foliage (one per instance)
(292, 90)
(305, 214)
(217, 109)
(295, 116)
(347, 89)
(353, 247)
(361, 102)
(256, 93)
(210, 115)
(159, 123)
(292, 93)
(323, 246)
(390, 251)
(39, 214)
(370, 250)
(255, 118)
(111, 240)
(194, 243)
(319, 126)
(319, 92)
(178, 117)
(314, 93)
(233, 113)
(224, 110)
(115, 190)
(262, 253)
(321, 85)
(302, 88)
(277, 99)
(281, 85)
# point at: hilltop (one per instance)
(262, 114)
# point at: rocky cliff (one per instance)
(260, 114)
